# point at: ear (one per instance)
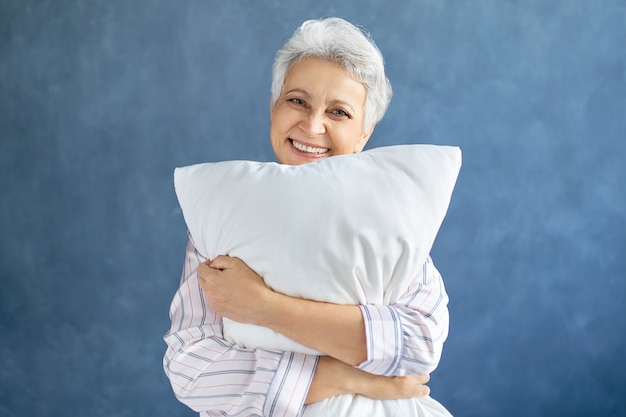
(366, 135)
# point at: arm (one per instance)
(238, 293)
(333, 377)
(207, 373)
(406, 338)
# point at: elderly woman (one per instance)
(329, 90)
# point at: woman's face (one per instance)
(318, 114)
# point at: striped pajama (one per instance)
(215, 378)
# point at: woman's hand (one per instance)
(233, 289)
(333, 377)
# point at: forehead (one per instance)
(320, 78)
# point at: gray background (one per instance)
(100, 100)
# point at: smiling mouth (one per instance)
(308, 149)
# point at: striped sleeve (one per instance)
(215, 378)
(407, 337)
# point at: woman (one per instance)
(329, 90)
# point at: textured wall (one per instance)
(100, 100)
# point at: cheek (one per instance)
(282, 118)
(348, 140)
(277, 131)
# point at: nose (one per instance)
(313, 124)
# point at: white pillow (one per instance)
(351, 229)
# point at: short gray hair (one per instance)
(338, 41)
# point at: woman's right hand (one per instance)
(333, 377)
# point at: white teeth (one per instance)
(309, 149)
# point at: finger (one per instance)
(421, 390)
(206, 274)
(203, 270)
(221, 262)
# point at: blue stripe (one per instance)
(418, 337)
(282, 382)
(182, 309)
(404, 358)
(398, 343)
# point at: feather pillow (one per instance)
(351, 229)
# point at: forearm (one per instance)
(333, 377)
(336, 330)
(404, 338)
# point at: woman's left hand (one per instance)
(233, 289)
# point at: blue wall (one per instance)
(100, 100)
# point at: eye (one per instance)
(340, 113)
(297, 101)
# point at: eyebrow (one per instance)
(298, 90)
(333, 102)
